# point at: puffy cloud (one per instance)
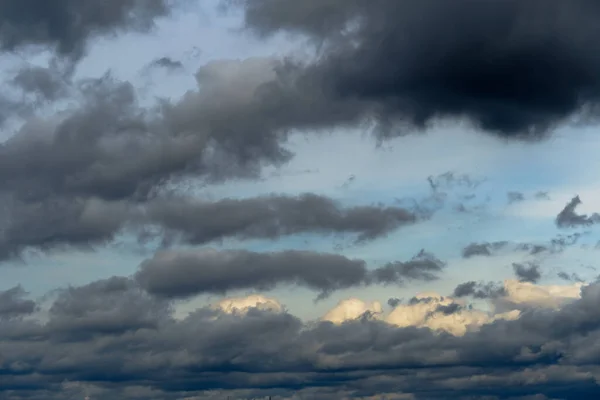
(243, 304)
(550, 296)
(518, 294)
(439, 313)
(351, 309)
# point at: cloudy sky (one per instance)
(317, 199)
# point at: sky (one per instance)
(326, 199)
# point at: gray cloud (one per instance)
(515, 197)
(80, 160)
(167, 63)
(48, 83)
(62, 222)
(394, 302)
(273, 216)
(573, 277)
(110, 340)
(384, 60)
(555, 245)
(181, 274)
(424, 266)
(527, 272)
(14, 304)
(67, 25)
(568, 218)
(479, 290)
(542, 196)
(482, 249)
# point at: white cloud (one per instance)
(446, 314)
(546, 296)
(350, 309)
(243, 304)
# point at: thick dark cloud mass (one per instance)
(67, 25)
(110, 340)
(181, 274)
(414, 61)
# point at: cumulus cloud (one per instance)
(243, 304)
(549, 296)
(440, 313)
(351, 309)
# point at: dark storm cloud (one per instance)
(527, 272)
(181, 274)
(126, 345)
(67, 25)
(569, 218)
(412, 62)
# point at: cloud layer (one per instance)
(111, 331)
